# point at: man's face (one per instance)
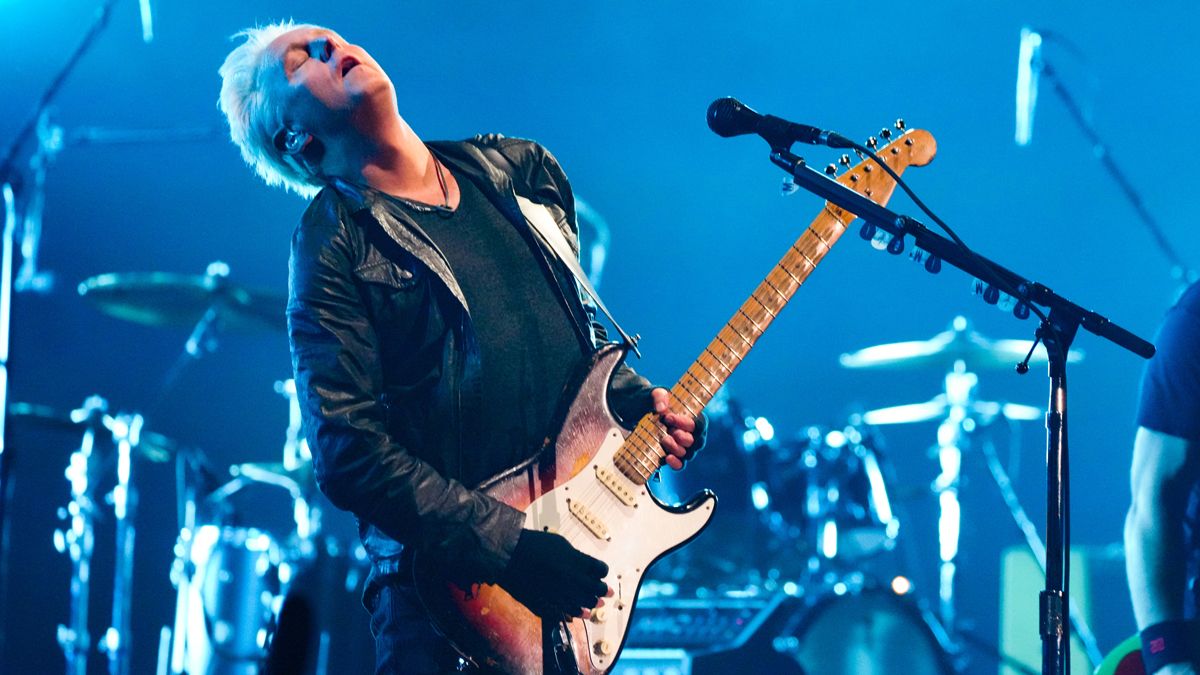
(322, 84)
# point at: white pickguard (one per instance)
(635, 537)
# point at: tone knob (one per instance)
(599, 615)
(604, 648)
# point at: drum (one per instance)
(827, 490)
(230, 601)
(866, 632)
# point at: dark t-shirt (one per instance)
(1170, 398)
(1170, 404)
(528, 344)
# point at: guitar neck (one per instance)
(642, 455)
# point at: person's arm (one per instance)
(1164, 470)
(358, 465)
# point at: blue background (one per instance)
(618, 92)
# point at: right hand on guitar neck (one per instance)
(553, 578)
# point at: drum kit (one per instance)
(812, 518)
(232, 580)
(801, 516)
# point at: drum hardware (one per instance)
(960, 414)
(76, 538)
(234, 582)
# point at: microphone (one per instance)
(147, 21)
(729, 117)
(1029, 67)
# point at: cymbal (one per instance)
(937, 409)
(170, 299)
(959, 343)
(152, 446)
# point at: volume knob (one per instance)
(604, 648)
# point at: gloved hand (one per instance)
(552, 578)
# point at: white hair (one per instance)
(253, 118)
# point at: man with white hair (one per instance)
(431, 332)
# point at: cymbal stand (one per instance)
(204, 336)
(1038, 548)
(297, 456)
(126, 430)
(188, 464)
(76, 539)
(952, 438)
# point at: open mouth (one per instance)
(349, 63)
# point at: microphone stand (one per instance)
(1179, 269)
(1058, 332)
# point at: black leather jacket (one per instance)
(386, 360)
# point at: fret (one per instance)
(731, 350)
(804, 255)
(716, 380)
(766, 309)
(719, 362)
(696, 398)
(700, 382)
(789, 273)
(789, 289)
(752, 321)
(820, 238)
(767, 281)
(733, 328)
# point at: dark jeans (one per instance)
(405, 641)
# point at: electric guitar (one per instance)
(588, 483)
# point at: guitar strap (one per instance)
(542, 222)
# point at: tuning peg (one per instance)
(872, 142)
(844, 160)
(885, 133)
(991, 294)
(900, 124)
(867, 231)
(789, 186)
(831, 169)
(896, 245)
(1021, 311)
(932, 263)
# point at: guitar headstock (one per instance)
(904, 148)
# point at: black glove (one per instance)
(551, 577)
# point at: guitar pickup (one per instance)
(589, 520)
(615, 485)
